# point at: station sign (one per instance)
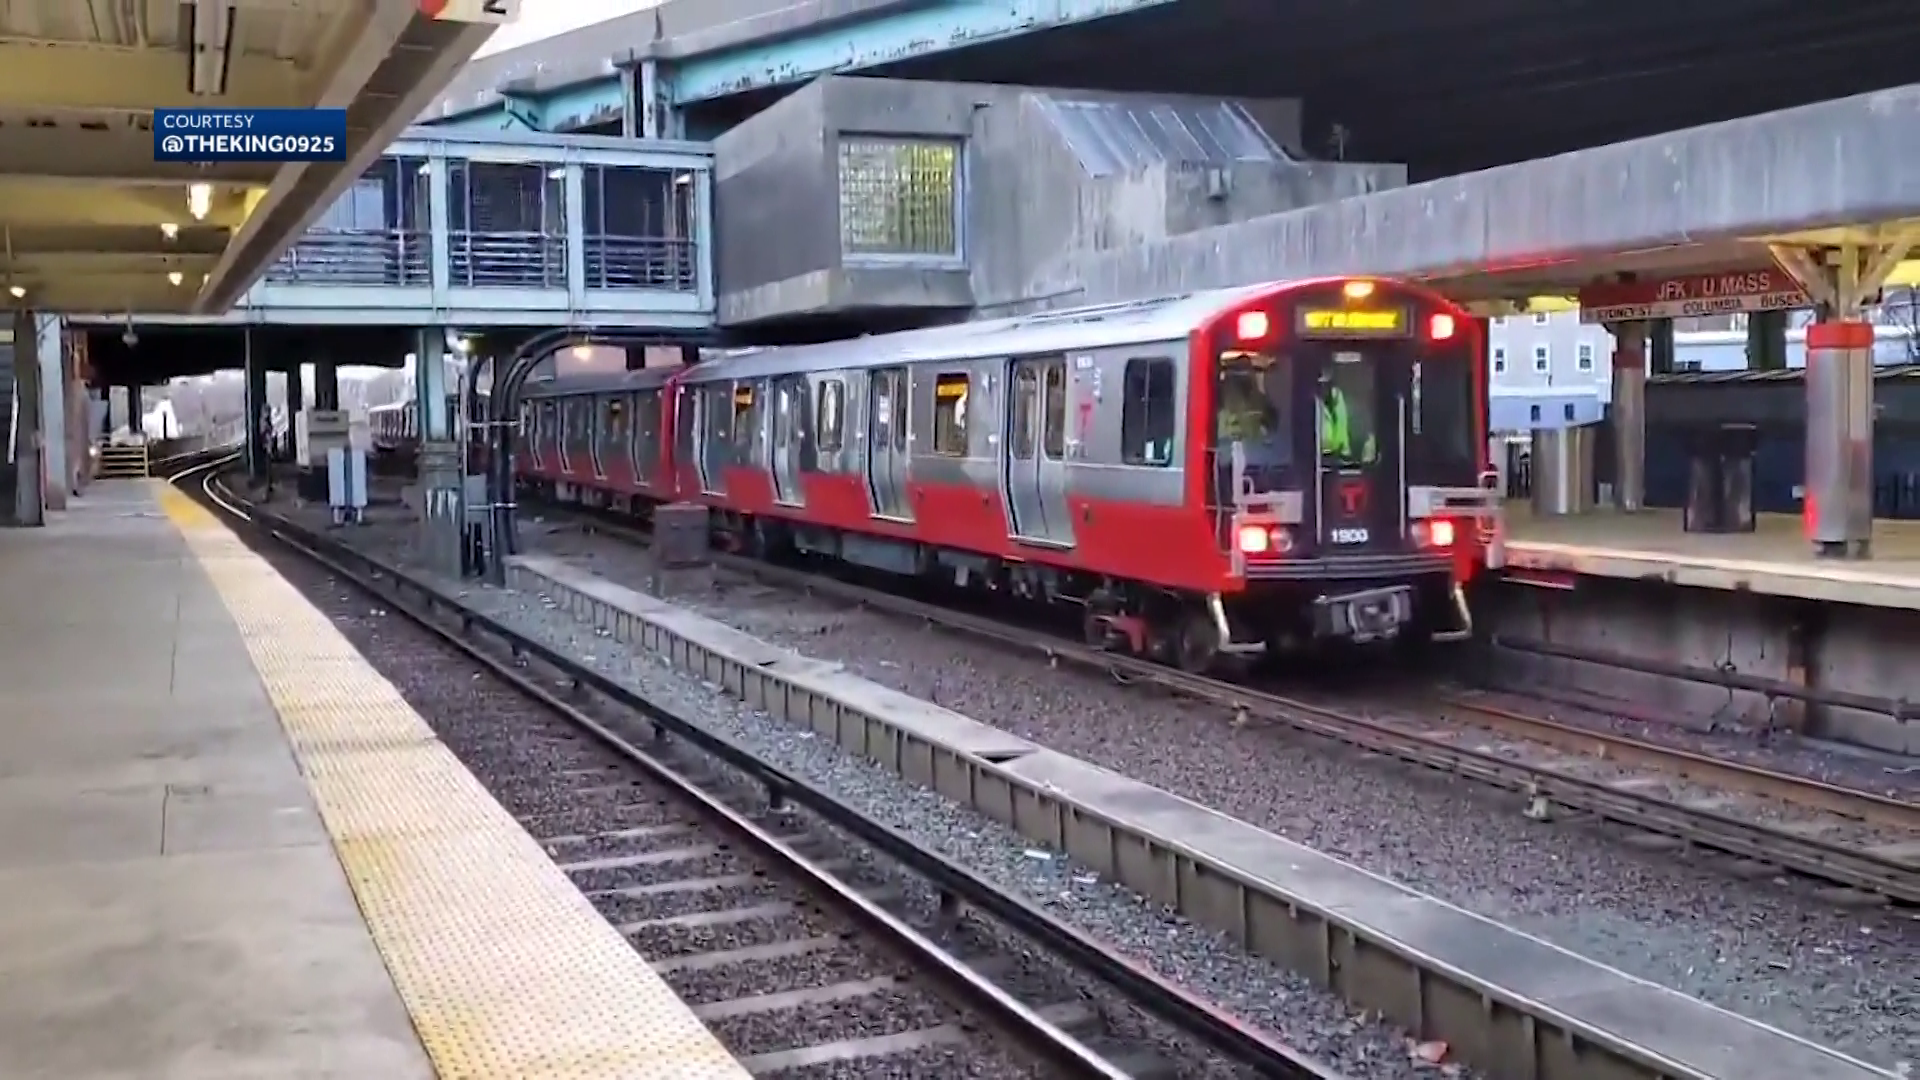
(1769, 289)
(498, 12)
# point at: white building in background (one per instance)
(1553, 370)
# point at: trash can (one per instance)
(1562, 471)
(1720, 480)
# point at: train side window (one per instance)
(903, 394)
(1148, 412)
(1054, 441)
(745, 419)
(950, 415)
(1026, 393)
(827, 415)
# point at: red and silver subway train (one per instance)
(1231, 471)
(396, 426)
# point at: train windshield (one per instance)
(1254, 398)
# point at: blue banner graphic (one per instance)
(211, 136)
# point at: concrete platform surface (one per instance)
(1775, 559)
(189, 755)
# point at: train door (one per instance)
(563, 438)
(1034, 476)
(603, 408)
(713, 434)
(1359, 417)
(888, 417)
(789, 438)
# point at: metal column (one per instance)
(1629, 414)
(55, 430)
(326, 385)
(442, 510)
(259, 414)
(29, 495)
(136, 411)
(1838, 500)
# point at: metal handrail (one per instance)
(634, 262)
(506, 260)
(391, 257)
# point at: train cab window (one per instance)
(1253, 399)
(950, 415)
(1444, 415)
(1054, 438)
(827, 412)
(1148, 411)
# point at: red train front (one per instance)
(1247, 469)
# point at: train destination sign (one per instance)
(1347, 322)
(1684, 297)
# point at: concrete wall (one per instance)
(1030, 208)
(1847, 648)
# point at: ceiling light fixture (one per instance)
(175, 277)
(19, 291)
(199, 200)
(170, 230)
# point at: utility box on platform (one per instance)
(1720, 481)
(680, 535)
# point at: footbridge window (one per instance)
(639, 228)
(507, 225)
(378, 232)
(900, 198)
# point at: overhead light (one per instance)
(682, 179)
(170, 230)
(204, 278)
(199, 200)
(175, 277)
(19, 291)
(210, 49)
(557, 174)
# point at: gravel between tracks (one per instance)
(1845, 978)
(478, 718)
(1262, 993)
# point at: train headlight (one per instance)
(1438, 533)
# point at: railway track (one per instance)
(1866, 844)
(757, 897)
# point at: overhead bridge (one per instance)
(500, 230)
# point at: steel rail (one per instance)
(1854, 868)
(1159, 998)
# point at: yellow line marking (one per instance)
(507, 970)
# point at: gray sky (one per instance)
(544, 18)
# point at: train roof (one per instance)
(1170, 318)
(602, 383)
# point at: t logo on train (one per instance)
(1259, 468)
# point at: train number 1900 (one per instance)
(1350, 536)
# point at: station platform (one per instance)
(229, 850)
(1773, 560)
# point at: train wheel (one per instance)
(1195, 644)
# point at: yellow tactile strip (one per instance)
(507, 970)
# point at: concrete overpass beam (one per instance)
(1842, 280)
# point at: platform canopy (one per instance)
(91, 223)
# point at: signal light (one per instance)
(1357, 290)
(1264, 540)
(1252, 325)
(1437, 533)
(1440, 327)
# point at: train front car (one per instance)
(1348, 421)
